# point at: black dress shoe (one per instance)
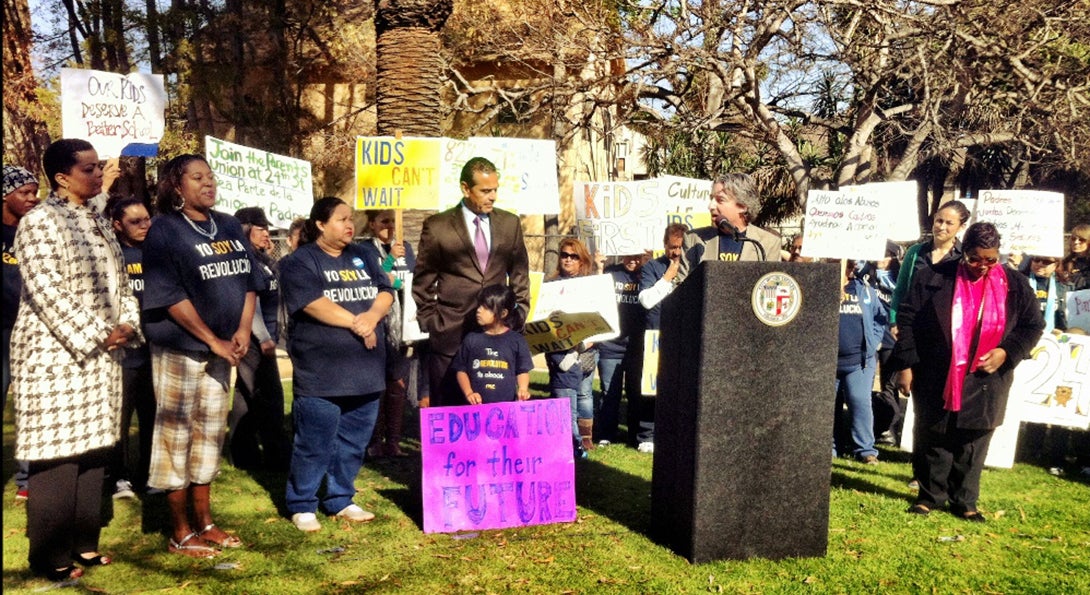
(973, 517)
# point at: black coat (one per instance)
(925, 344)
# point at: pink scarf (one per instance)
(966, 308)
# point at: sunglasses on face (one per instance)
(568, 256)
(1078, 240)
(1044, 261)
(981, 260)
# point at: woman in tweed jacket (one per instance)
(76, 312)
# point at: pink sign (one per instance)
(497, 465)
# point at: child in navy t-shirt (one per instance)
(494, 365)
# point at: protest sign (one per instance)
(1029, 221)
(397, 173)
(593, 293)
(622, 218)
(649, 380)
(1001, 448)
(900, 207)
(562, 331)
(120, 114)
(497, 465)
(1078, 310)
(1053, 386)
(844, 224)
(527, 168)
(248, 177)
(410, 324)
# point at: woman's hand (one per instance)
(118, 337)
(992, 361)
(397, 249)
(903, 381)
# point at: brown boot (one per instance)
(586, 431)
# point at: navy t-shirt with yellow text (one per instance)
(134, 266)
(214, 274)
(493, 363)
(330, 361)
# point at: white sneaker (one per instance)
(648, 447)
(306, 521)
(604, 443)
(355, 513)
(123, 490)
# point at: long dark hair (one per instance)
(60, 158)
(167, 199)
(496, 299)
(321, 211)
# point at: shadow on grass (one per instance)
(619, 496)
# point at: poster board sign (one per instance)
(562, 331)
(397, 173)
(844, 224)
(1053, 386)
(900, 205)
(248, 177)
(1078, 310)
(1029, 221)
(497, 465)
(593, 293)
(120, 114)
(528, 175)
(650, 376)
(1001, 449)
(536, 279)
(410, 325)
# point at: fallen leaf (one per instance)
(809, 580)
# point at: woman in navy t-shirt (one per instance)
(336, 296)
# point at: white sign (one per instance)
(900, 207)
(845, 224)
(527, 167)
(621, 218)
(248, 177)
(580, 294)
(1029, 221)
(1078, 310)
(119, 114)
(1053, 386)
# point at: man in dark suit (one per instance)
(462, 250)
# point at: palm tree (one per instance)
(408, 64)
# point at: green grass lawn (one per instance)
(1037, 541)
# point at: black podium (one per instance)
(744, 412)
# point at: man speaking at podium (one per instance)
(734, 203)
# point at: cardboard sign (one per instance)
(845, 224)
(1078, 310)
(121, 115)
(497, 465)
(593, 293)
(248, 177)
(397, 173)
(527, 168)
(900, 206)
(622, 218)
(562, 331)
(1053, 386)
(649, 380)
(1029, 221)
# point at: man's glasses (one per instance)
(569, 256)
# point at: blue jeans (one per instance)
(854, 387)
(331, 436)
(611, 374)
(582, 402)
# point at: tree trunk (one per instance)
(408, 65)
(25, 133)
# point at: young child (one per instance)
(494, 365)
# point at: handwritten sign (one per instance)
(397, 173)
(593, 293)
(844, 224)
(527, 167)
(1053, 386)
(1029, 221)
(117, 113)
(1078, 310)
(649, 382)
(248, 177)
(562, 331)
(497, 465)
(622, 218)
(900, 207)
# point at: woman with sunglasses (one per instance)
(1075, 269)
(77, 313)
(964, 326)
(571, 372)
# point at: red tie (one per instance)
(481, 244)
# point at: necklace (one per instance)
(211, 234)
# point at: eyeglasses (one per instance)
(981, 260)
(1044, 261)
(569, 256)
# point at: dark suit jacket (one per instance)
(925, 344)
(447, 275)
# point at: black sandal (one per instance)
(919, 509)
(57, 575)
(96, 560)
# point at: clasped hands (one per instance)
(363, 326)
(118, 337)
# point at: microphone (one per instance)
(728, 227)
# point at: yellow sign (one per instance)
(397, 173)
(562, 331)
(650, 379)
